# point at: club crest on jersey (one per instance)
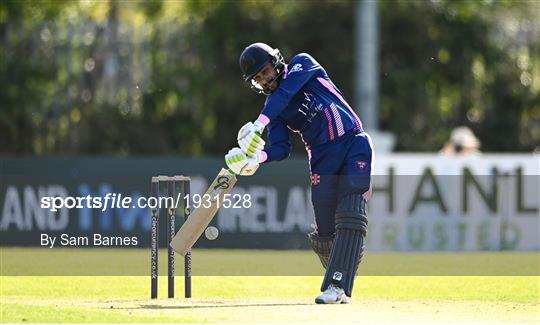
(362, 165)
(295, 68)
(315, 179)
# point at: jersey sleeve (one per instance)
(279, 146)
(300, 70)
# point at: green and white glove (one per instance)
(239, 163)
(250, 140)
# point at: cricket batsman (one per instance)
(302, 98)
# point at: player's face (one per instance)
(265, 79)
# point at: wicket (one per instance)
(171, 183)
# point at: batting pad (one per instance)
(348, 247)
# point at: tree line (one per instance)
(162, 77)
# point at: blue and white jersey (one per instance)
(306, 102)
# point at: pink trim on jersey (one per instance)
(328, 86)
(264, 156)
(263, 119)
(367, 195)
(337, 118)
(330, 128)
(308, 150)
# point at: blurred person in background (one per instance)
(462, 142)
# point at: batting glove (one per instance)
(240, 164)
(250, 140)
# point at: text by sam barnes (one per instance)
(96, 240)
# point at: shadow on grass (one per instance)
(218, 306)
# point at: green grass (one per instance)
(116, 261)
(270, 299)
(523, 289)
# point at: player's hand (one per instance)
(240, 164)
(250, 140)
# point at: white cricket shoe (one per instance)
(332, 295)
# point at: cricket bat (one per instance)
(197, 222)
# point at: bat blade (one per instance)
(197, 222)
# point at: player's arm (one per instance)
(279, 147)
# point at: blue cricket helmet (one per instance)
(256, 56)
